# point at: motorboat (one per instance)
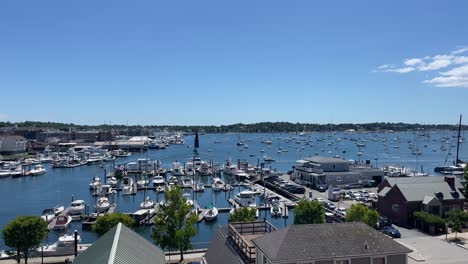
(58, 209)
(95, 183)
(48, 215)
(158, 181)
(112, 181)
(76, 207)
(147, 204)
(199, 187)
(106, 190)
(127, 185)
(160, 189)
(143, 182)
(37, 170)
(217, 185)
(275, 208)
(62, 222)
(173, 180)
(187, 182)
(211, 214)
(246, 199)
(102, 204)
(188, 200)
(5, 173)
(177, 169)
(64, 246)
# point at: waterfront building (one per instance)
(399, 198)
(121, 245)
(337, 243)
(13, 144)
(321, 172)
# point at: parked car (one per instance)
(319, 199)
(391, 231)
(383, 221)
(321, 188)
(330, 205)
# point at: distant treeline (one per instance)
(263, 127)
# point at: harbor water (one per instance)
(30, 195)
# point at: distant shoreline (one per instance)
(262, 127)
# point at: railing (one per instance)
(235, 232)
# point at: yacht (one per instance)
(5, 173)
(102, 205)
(127, 185)
(187, 182)
(76, 207)
(64, 246)
(147, 204)
(107, 190)
(199, 187)
(177, 169)
(158, 181)
(246, 199)
(95, 183)
(188, 200)
(62, 222)
(143, 182)
(37, 170)
(112, 181)
(58, 209)
(217, 185)
(275, 208)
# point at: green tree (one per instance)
(108, 221)
(465, 176)
(24, 233)
(174, 224)
(455, 219)
(309, 212)
(361, 213)
(243, 214)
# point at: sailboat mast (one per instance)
(458, 140)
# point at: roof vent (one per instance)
(439, 195)
(455, 194)
(366, 246)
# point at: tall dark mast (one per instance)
(458, 140)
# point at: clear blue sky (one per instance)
(222, 62)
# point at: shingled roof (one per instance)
(415, 192)
(325, 241)
(121, 245)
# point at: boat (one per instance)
(95, 183)
(160, 189)
(246, 199)
(58, 209)
(217, 184)
(177, 169)
(5, 173)
(268, 159)
(127, 185)
(458, 165)
(112, 181)
(48, 215)
(76, 207)
(275, 209)
(143, 182)
(199, 187)
(187, 182)
(211, 214)
(188, 200)
(37, 170)
(147, 203)
(158, 181)
(102, 205)
(64, 246)
(62, 222)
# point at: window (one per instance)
(396, 208)
(379, 260)
(344, 261)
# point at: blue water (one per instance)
(30, 195)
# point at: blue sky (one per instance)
(223, 62)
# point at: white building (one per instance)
(13, 144)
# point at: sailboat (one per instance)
(459, 165)
(212, 213)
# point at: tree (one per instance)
(309, 212)
(455, 219)
(108, 221)
(465, 176)
(24, 233)
(361, 213)
(174, 224)
(243, 214)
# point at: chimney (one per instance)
(451, 182)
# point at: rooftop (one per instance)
(320, 159)
(414, 192)
(325, 241)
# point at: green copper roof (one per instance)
(121, 245)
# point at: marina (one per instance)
(223, 170)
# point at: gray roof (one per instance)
(384, 191)
(121, 245)
(221, 251)
(320, 159)
(324, 241)
(414, 192)
(428, 179)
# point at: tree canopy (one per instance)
(309, 212)
(455, 220)
(108, 221)
(174, 223)
(243, 214)
(24, 233)
(362, 213)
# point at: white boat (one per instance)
(246, 199)
(76, 207)
(177, 169)
(217, 185)
(127, 185)
(62, 222)
(187, 182)
(275, 208)
(188, 200)
(95, 183)
(58, 209)
(5, 173)
(158, 181)
(112, 181)
(199, 187)
(102, 204)
(160, 189)
(37, 170)
(147, 204)
(211, 214)
(107, 190)
(48, 215)
(64, 246)
(143, 182)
